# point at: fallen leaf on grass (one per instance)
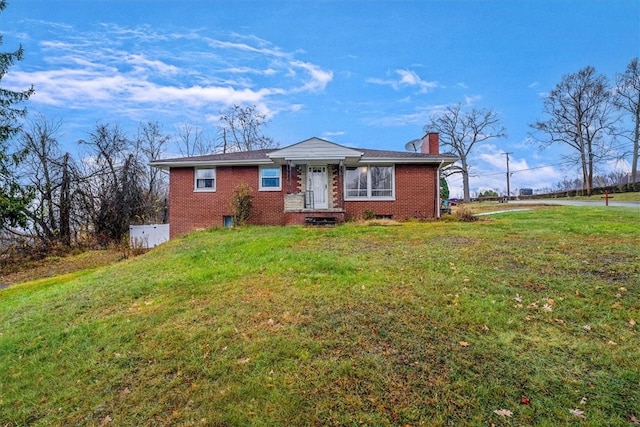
(583, 401)
(631, 323)
(464, 344)
(503, 412)
(525, 400)
(106, 420)
(578, 413)
(244, 361)
(634, 420)
(587, 328)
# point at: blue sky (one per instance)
(360, 73)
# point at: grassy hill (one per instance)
(523, 318)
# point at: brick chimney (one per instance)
(431, 143)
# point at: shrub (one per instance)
(464, 214)
(241, 203)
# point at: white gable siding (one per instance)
(315, 149)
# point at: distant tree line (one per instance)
(94, 196)
(595, 119)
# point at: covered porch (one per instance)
(314, 195)
(313, 181)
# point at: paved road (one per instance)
(577, 202)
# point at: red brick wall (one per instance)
(191, 210)
(415, 196)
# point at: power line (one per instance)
(522, 170)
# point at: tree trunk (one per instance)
(465, 186)
(636, 145)
(65, 204)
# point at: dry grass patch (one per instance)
(58, 265)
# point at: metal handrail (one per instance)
(309, 202)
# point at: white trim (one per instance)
(204, 189)
(279, 187)
(409, 160)
(369, 197)
(324, 183)
(207, 164)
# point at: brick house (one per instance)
(313, 181)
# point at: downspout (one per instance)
(341, 184)
(438, 189)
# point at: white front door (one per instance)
(317, 183)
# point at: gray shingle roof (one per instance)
(261, 157)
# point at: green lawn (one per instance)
(522, 318)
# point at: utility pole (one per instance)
(508, 186)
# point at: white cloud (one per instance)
(190, 71)
(319, 78)
(329, 134)
(419, 116)
(405, 79)
(143, 64)
(469, 101)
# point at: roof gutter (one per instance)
(202, 163)
(409, 160)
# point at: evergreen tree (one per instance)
(13, 197)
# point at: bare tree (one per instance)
(149, 145)
(241, 129)
(192, 141)
(42, 170)
(580, 117)
(627, 98)
(112, 183)
(54, 178)
(461, 131)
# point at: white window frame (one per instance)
(369, 195)
(268, 188)
(196, 178)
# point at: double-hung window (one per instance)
(205, 179)
(270, 178)
(369, 182)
